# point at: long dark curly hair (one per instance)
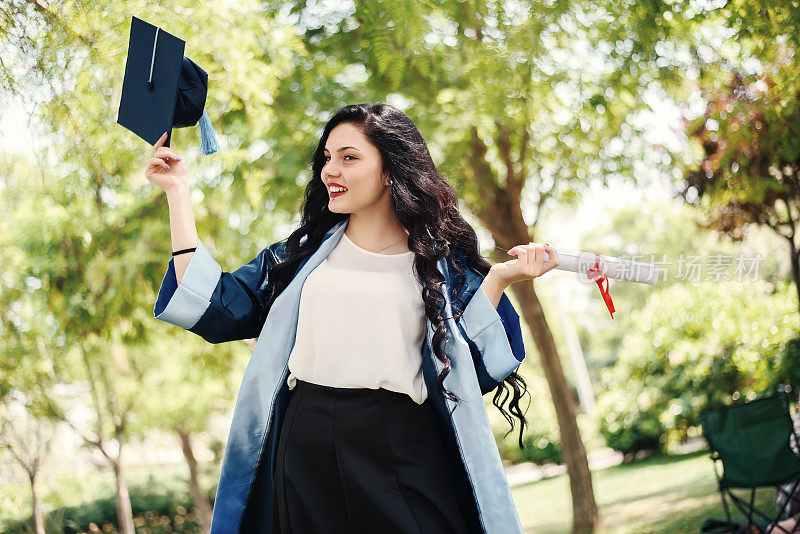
(426, 206)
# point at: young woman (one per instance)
(379, 329)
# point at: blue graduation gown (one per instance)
(484, 346)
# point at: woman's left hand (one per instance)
(530, 263)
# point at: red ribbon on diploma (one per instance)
(596, 274)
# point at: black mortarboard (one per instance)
(162, 88)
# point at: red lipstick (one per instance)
(338, 193)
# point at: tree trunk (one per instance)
(585, 517)
(501, 213)
(38, 520)
(124, 510)
(201, 504)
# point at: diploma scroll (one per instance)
(619, 269)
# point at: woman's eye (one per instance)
(349, 156)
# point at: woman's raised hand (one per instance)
(165, 169)
(530, 263)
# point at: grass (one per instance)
(665, 494)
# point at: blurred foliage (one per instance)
(504, 94)
(154, 512)
(693, 347)
(692, 336)
(90, 240)
(746, 141)
(668, 235)
(540, 448)
(541, 437)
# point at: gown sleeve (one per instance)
(494, 336)
(218, 306)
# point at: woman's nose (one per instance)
(330, 169)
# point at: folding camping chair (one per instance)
(753, 442)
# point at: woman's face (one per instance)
(354, 163)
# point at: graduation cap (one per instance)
(162, 88)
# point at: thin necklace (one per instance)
(396, 242)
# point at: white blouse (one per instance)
(361, 323)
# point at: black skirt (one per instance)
(358, 461)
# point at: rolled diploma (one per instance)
(579, 262)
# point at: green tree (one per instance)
(692, 347)
(29, 340)
(26, 374)
(27, 438)
(52, 250)
(195, 382)
(750, 171)
(92, 236)
(635, 377)
(739, 60)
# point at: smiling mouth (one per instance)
(335, 194)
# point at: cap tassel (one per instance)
(208, 139)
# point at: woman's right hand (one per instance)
(165, 168)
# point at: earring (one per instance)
(390, 181)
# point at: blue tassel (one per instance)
(208, 139)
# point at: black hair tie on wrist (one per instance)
(184, 251)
